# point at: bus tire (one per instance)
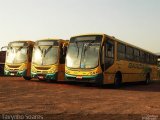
(99, 83)
(148, 80)
(118, 80)
(27, 77)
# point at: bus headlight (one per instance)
(93, 73)
(6, 67)
(67, 71)
(21, 68)
(33, 70)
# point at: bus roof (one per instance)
(22, 41)
(28, 41)
(52, 39)
(113, 38)
(89, 34)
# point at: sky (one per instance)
(133, 21)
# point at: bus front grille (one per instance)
(42, 68)
(13, 66)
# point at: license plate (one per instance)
(41, 77)
(79, 77)
(12, 73)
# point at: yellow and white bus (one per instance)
(48, 59)
(18, 59)
(103, 59)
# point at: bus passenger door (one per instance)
(109, 54)
(108, 61)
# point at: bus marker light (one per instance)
(12, 74)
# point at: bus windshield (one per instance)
(83, 54)
(45, 55)
(16, 55)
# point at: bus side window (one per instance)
(156, 60)
(129, 53)
(151, 59)
(147, 58)
(109, 56)
(121, 51)
(136, 54)
(142, 56)
(110, 49)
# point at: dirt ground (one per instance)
(77, 101)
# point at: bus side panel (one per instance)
(154, 75)
(28, 69)
(109, 74)
(61, 72)
(131, 72)
(108, 78)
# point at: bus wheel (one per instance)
(148, 80)
(118, 80)
(27, 77)
(99, 83)
(52, 81)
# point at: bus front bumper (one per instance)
(50, 76)
(89, 79)
(15, 73)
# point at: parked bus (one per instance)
(103, 59)
(2, 60)
(18, 59)
(48, 59)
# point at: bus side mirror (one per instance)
(103, 58)
(103, 55)
(4, 48)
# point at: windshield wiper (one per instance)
(19, 49)
(46, 51)
(87, 46)
(16, 50)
